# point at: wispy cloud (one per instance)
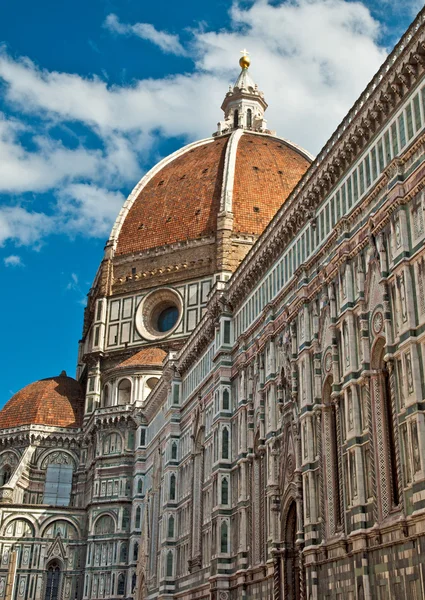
(13, 261)
(167, 42)
(73, 285)
(311, 57)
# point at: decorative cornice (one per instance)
(381, 97)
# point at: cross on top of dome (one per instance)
(244, 104)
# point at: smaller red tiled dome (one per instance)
(148, 357)
(56, 401)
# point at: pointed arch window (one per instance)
(174, 451)
(249, 118)
(125, 519)
(53, 581)
(225, 491)
(225, 443)
(135, 551)
(172, 487)
(140, 486)
(226, 399)
(123, 552)
(138, 518)
(224, 537)
(121, 584)
(169, 568)
(171, 527)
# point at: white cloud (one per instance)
(312, 58)
(167, 42)
(43, 168)
(13, 261)
(81, 210)
(88, 210)
(23, 227)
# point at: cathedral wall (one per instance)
(323, 364)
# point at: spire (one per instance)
(244, 105)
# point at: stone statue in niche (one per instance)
(242, 384)
(415, 447)
(350, 411)
(402, 297)
(382, 252)
(409, 373)
(397, 233)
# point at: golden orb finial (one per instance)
(244, 60)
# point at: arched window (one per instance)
(225, 443)
(58, 484)
(236, 118)
(6, 473)
(121, 584)
(138, 517)
(171, 526)
(125, 519)
(52, 581)
(112, 444)
(20, 528)
(249, 118)
(106, 396)
(174, 451)
(124, 392)
(135, 551)
(225, 491)
(173, 487)
(123, 552)
(104, 525)
(62, 528)
(224, 537)
(226, 399)
(140, 486)
(169, 569)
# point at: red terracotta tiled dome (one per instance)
(56, 401)
(179, 200)
(148, 357)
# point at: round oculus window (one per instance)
(167, 318)
(159, 314)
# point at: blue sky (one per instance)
(92, 94)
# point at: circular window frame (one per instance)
(149, 309)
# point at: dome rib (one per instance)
(116, 229)
(247, 175)
(180, 201)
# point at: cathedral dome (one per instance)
(245, 173)
(235, 180)
(56, 402)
